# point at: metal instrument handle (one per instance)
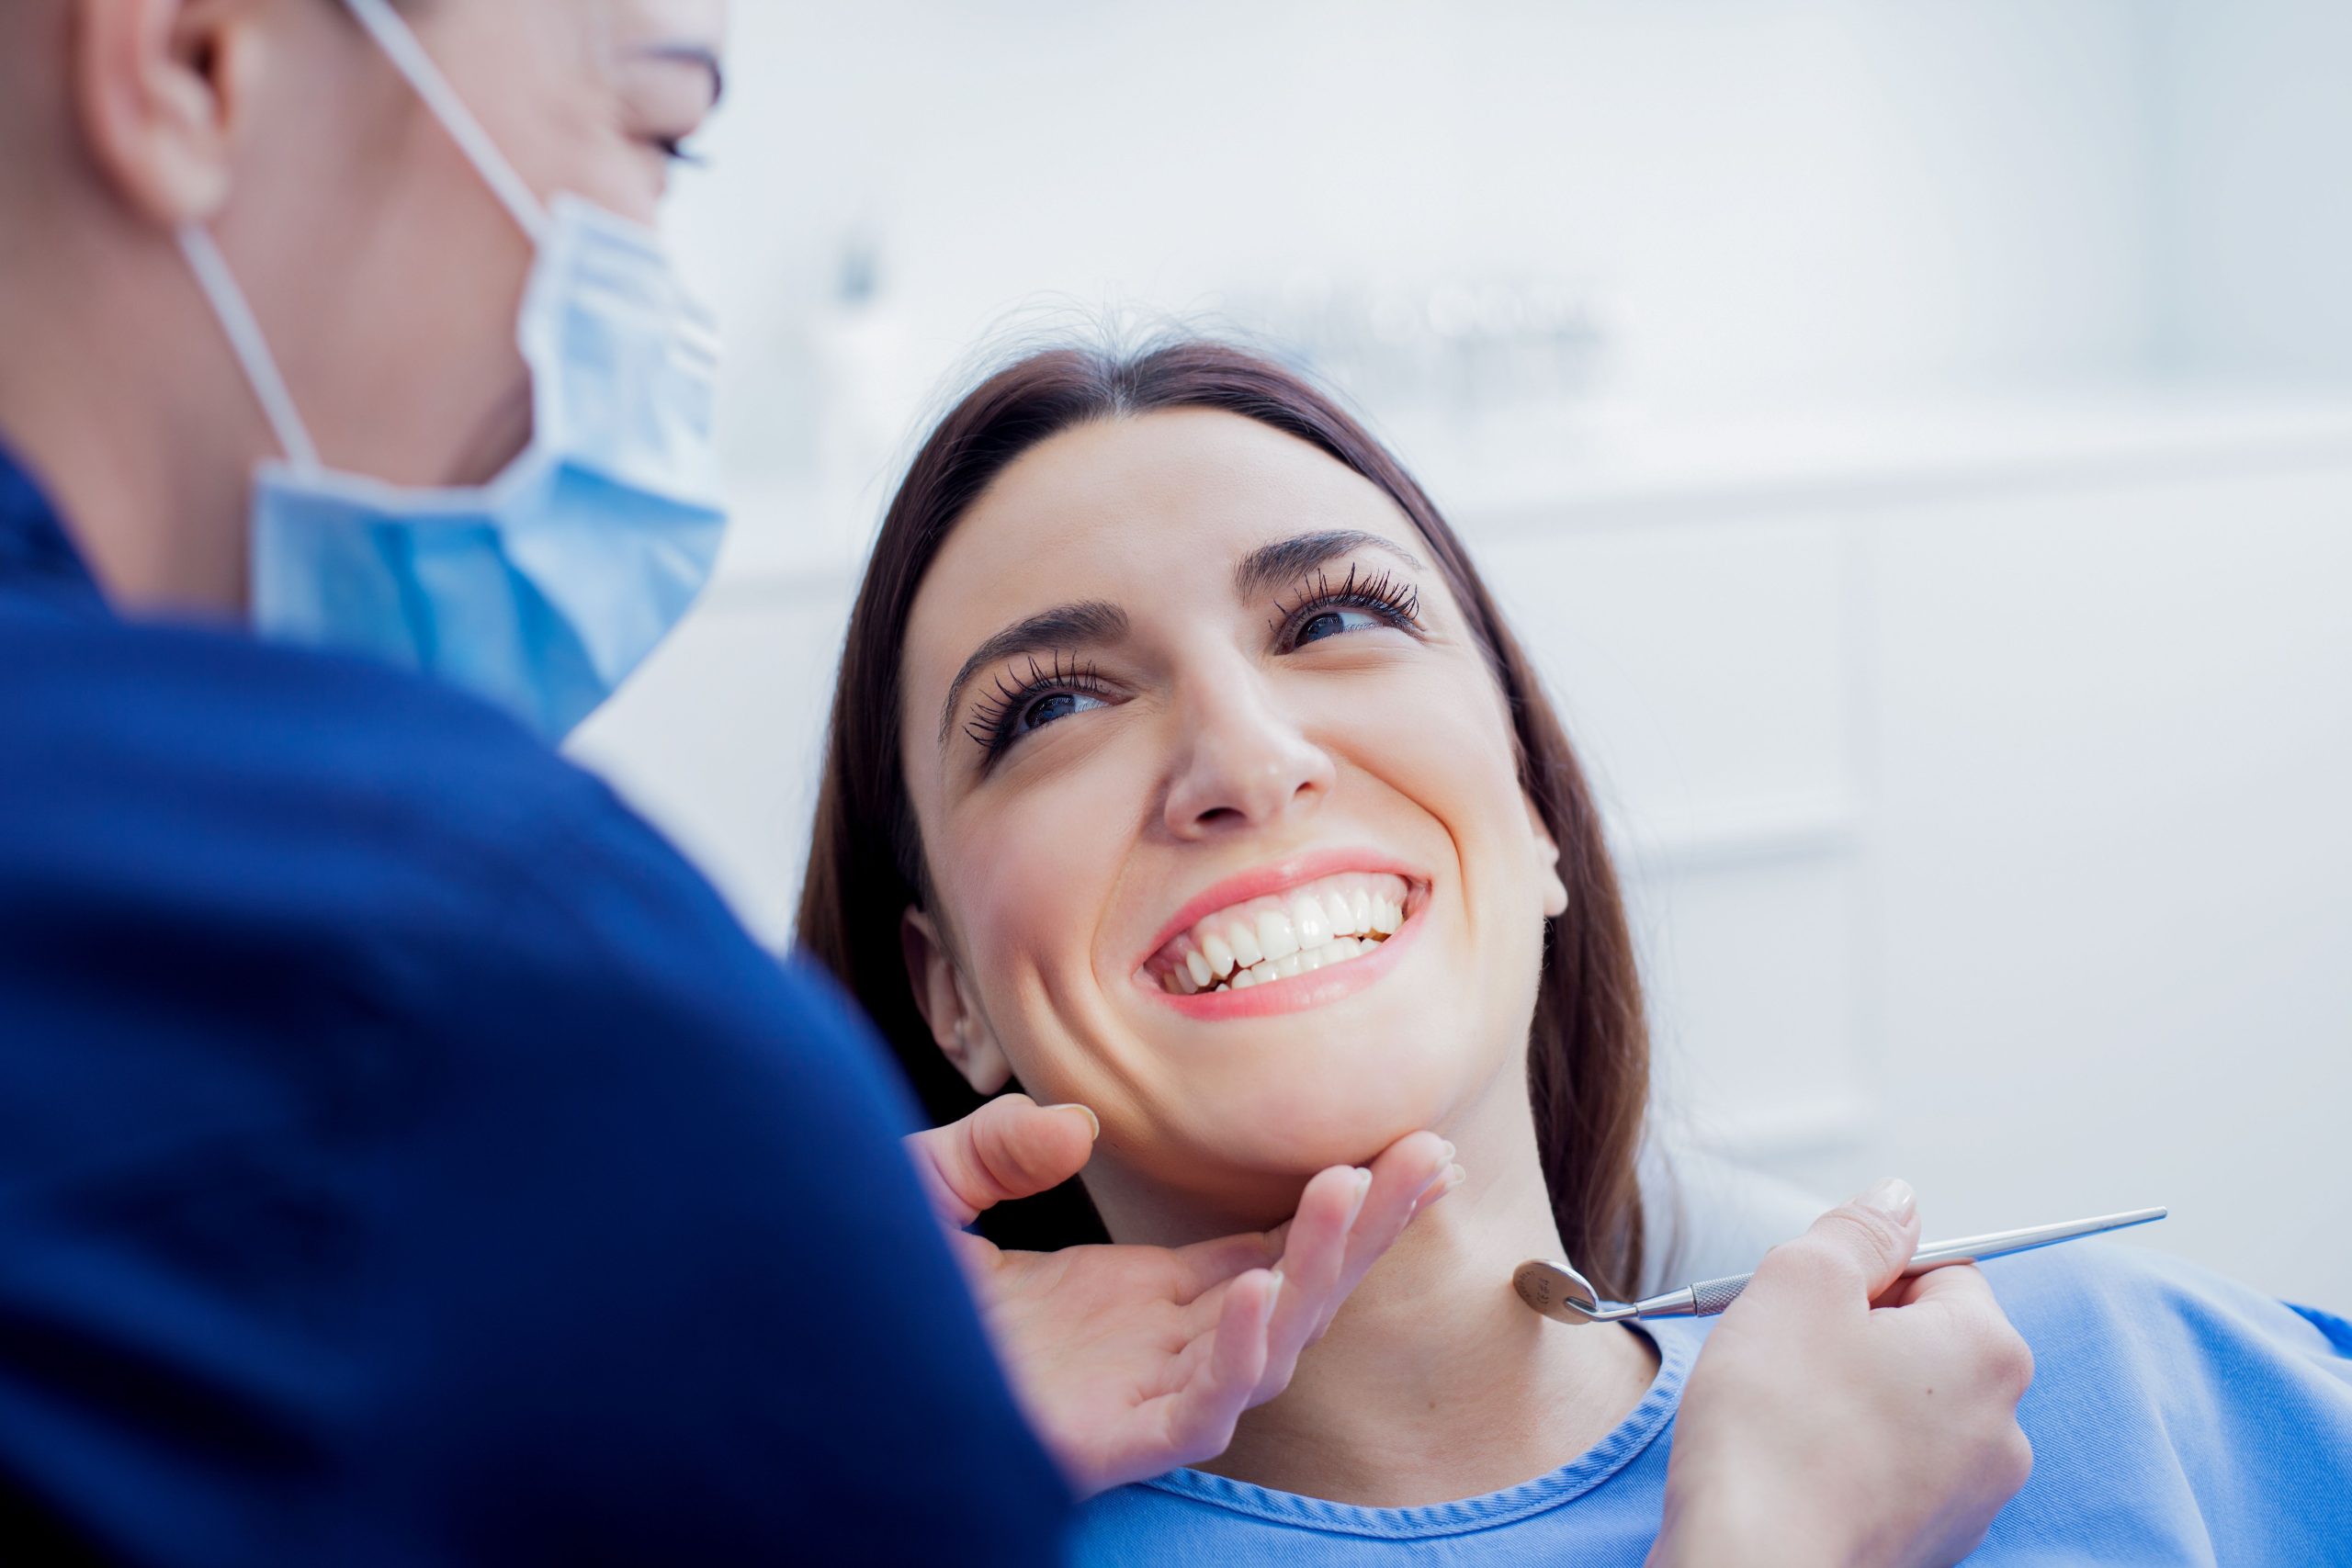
(1710, 1296)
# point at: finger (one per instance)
(1958, 1286)
(1194, 1354)
(1851, 1255)
(1009, 1148)
(1314, 1260)
(1205, 1265)
(1197, 1421)
(1408, 1176)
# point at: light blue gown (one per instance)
(2175, 1417)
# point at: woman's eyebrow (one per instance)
(1283, 562)
(1086, 622)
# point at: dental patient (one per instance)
(1184, 768)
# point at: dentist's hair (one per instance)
(1588, 1052)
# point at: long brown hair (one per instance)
(1588, 1054)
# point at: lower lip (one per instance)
(1300, 991)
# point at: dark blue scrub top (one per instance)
(404, 1158)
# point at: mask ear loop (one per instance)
(236, 317)
(399, 43)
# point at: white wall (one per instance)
(2254, 236)
(2113, 870)
(1761, 199)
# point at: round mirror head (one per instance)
(1556, 1290)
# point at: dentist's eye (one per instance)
(1357, 605)
(1047, 696)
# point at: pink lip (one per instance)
(1315, 990)
(1274, 877)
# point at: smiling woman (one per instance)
(1271, 687)
(1183, 768)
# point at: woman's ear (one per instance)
(1556, 890)
(962, 1035)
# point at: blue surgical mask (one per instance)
(543, 588)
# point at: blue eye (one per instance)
(1054, 706)
(1324, 611)
(1044, 698)
(1331, 623)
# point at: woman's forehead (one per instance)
(1157, 504)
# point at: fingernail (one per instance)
(1093, 1122)
(1449, 1151)
(1454, 1177)
(1892, 1198)
(1364, 1190)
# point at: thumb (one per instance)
(1874, 1233)
(1850, 1256)
(1009, 1148)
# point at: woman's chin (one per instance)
(1303, 1125)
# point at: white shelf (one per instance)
(1744, 833)
(1597, 464)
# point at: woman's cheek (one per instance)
(1031, 872)
(1436, 732)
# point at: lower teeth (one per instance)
(1268, 972)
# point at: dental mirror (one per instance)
(1553, 1287)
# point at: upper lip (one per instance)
(1275, 876)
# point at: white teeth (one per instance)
(1219, 956)
(1182, 980)
(1276, 936)
(1314, 923)
(1282, 935)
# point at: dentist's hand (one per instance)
(1131, 1361)
(1842, 1414)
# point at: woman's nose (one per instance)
(1244, 764)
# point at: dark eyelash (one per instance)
(992, 719)
(1384, 594)
(675, 148)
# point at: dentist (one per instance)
(403, 1155)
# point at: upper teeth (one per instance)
(1292, 933)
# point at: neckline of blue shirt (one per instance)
(1677, 1346)
(37, 556)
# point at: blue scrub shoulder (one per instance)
(315, 975)
(2175, 1415)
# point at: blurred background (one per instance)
(1917, 437)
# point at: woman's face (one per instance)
(1220, 808)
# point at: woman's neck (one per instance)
(1434, 1381)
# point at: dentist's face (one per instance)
(1222, 819)
(379, 260)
